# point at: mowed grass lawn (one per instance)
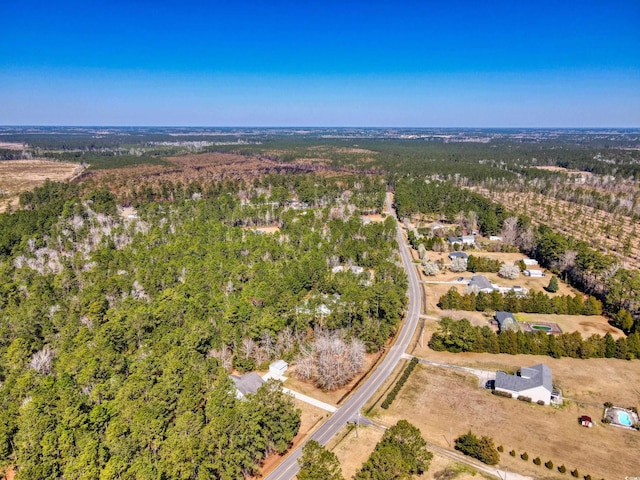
(445, 403)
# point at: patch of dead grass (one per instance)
(445, 404)
(17, 176)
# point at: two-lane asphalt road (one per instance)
(289, 466)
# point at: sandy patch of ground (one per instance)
(270, 229)
(351, 451)
(551, 168)
(445, 404)
(374, 218)
(12, 145)
(17, 176)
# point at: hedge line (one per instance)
(391, 396)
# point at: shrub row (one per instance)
(500, 393)
(549, 464)
(391, 396)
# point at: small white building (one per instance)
(495, 238)
(357, 269)
(468, 239)
(533, 273)
(530, 262)
(533, 382)
(337, 269)
(278, 368)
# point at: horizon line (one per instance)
(326, 127)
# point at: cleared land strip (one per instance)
(483, 375)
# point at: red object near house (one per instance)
(586, 421)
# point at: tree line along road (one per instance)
(289, 467)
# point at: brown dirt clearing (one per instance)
(13, 145)
(17, 176)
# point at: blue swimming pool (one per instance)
(623, 418)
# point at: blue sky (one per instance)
(342, 63)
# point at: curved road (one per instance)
(289, 466)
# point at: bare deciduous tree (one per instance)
(431, 268)
(458, 265)
(509, 270)
(330, 360)
(42, 360)
(509, 231)
(224, 356)
(527, 239)
(247, 348)
(567, 260)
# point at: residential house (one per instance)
(454, 255)
(530, 262)
(247, 384)
(480, 283)
(468, 239)
(532, 382)
(463, 240)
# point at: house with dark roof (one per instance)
(454, 255)
(247, 384)
(506, 321)
(480, 283)
(533, 382)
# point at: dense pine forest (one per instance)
(129, 294)
(118, 333)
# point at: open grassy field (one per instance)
(445, 403)
(17, 176)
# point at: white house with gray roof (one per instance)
(533, 382)
(480, 283)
